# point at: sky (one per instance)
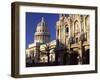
(32, 19)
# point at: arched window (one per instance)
(76, 31)
(67, 29)
(51, 58)
(87, 23)
(76, 27)
(43, 60)
(76, 40)
(58, 32)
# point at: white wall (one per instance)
(5, 40)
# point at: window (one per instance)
(72, 40)
(67, 29)
(76, 40)
(76, 27)
(43, 60)
(58, 32)
(85, 36)
(51, 58)
(87, 23)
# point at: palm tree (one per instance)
(48, 52)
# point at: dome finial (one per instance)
(42, 19)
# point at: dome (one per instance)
(42, 26)
(42, 23)
(42, 34)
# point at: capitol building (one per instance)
(70, 47)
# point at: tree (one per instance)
(48, 52)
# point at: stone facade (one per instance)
(73, 34)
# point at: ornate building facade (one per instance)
(73, 35)
(70, 47)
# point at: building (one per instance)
(42, 34)
(70, 47)
(38, 51)
(75, 29)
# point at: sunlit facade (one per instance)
(72, 33)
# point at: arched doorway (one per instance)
(74, 58)
(66, 58)
(86, 57)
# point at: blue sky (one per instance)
(32, 19)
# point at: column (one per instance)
(80, 56)
(84, 24)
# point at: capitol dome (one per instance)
(42, 34)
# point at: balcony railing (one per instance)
(74, 40)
